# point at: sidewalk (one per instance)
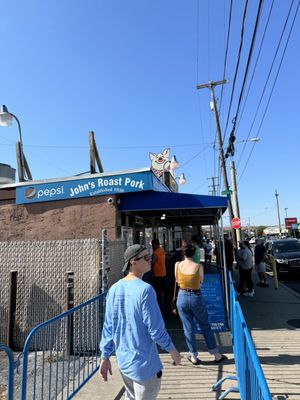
(276, 341)
(182, 382)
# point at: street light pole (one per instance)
(5, 120)
(211, 85)
(285, 209)
(278, 213)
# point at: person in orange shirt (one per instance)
(158, 267)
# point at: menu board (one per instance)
(211, 290)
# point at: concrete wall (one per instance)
(58, 220)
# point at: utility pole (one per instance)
(211, 85)
(278, 213)
(213, 186)
(235, 202)
(285, 209)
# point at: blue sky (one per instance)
(129, 70)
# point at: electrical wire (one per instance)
(195, 156)
(197, 77)
(273, 87)
(267, 80)
(11, 143)
(111, 147)
(226, 53)
(256, 63)
(237, 66)
(248, 64)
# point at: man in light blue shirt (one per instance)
(132, 329)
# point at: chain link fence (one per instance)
(41, 284)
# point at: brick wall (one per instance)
(58, 220)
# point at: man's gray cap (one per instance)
(131, 252)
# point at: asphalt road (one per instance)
(292, 281)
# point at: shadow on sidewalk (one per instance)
(269, 308)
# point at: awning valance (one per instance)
(179, 208)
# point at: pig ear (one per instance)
(166, 153)
(152, 156)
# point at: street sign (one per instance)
(235, 223)
(289, 222)
(226, 192)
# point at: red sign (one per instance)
(235, 223)
(289, 222)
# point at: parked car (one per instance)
(286, 253)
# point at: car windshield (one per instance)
(287, 246)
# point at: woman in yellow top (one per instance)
(190, 305)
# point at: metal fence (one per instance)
(69, 355)
(41, 279)
(11, 365)
(251, 381)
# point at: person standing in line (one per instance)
(260, 266)
(133, 326)
(197, 255)
(158, 267)
(190, 304)
(228, 252)
(245, 263)
(208, 250)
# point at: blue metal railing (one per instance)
(12, 364)
(252, 383)
(64, 353)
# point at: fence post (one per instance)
(275, 275)
(12, 309)
(70, 304)
(105, 260)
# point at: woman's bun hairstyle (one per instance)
(189, 250)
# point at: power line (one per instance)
(197, 75)
(196, 155)
(230, 149)
(268, 77)
(271, 93)
(256, 62)
(111, 147)
(237, 65)
(226, 52)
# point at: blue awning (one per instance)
(179, 208)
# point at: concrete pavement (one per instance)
(269, 315)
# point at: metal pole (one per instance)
(235, 198)
(21, 141)
(224, 270)
(104, 261)
(70, 320)
(278, 212)
(12, 308)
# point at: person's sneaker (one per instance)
(238, 294)
(194, 360)
(265, 284)
(259, 284)
(249, 294)
(223, 358)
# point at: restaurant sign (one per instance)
(99, 185)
